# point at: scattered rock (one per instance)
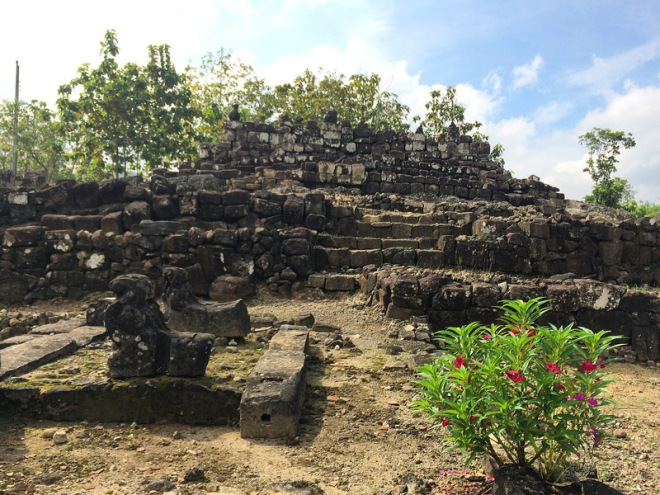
(321, 326)
(48, 433)
(306, 320)
(226, 490)
(292, 488)
(194, 474)
(414, 485)
(47, 478)
(394, 350)
(620, 433)
(60, 437)
(159, 485)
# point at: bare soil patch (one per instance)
(357, 434)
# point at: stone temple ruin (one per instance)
(400, 217)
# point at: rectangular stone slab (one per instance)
(21, 358)
(30, 355)
(62, 326)
(275, 391)
(229, 319)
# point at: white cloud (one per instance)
(348, 61)
(605, 72)
(634, 111)
(492, 82)
(552, 112)
(559, 159)
(527, 74)
(63, 35)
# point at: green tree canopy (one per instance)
(641, 208)
(442, 110)
(604, 147)
(357, 98)
(117, 119)
(220, 82)
(39, 143)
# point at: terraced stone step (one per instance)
(395, 230)
(331, 258)
(463, 217)
(365, 243)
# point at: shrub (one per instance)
(524, 394)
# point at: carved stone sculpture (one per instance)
(183, 312)
(143, 345)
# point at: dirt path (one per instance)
(357, 434)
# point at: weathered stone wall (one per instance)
(286, 237)
(313, 205)
(260, 155)
(450, 299)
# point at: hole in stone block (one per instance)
(265, 418)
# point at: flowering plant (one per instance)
(524, 394)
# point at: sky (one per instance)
(536, 74)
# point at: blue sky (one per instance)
(536, 74)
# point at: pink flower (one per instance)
(487, 337)
(445, 422)
(579, 396)
(588, 366)
(594, 432)
(593, 401)
(515, 376)
(459, 361)
(554, 368)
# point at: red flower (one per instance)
(473, 417)
(514, 331)
(515, 376)
(560, 387)
(553, 367)
(459, 361)
(445, 422)
(588, 366)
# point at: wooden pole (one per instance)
(14, 158)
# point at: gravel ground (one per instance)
(357, 434)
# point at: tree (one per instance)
(642, 208)
(613, 192)
(497, 153)
(119, 119)
(442, 110)
(604, 146)
(169, 132)
(357, 98)
(220, 82)
(39, 143)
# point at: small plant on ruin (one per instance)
(524, 394)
